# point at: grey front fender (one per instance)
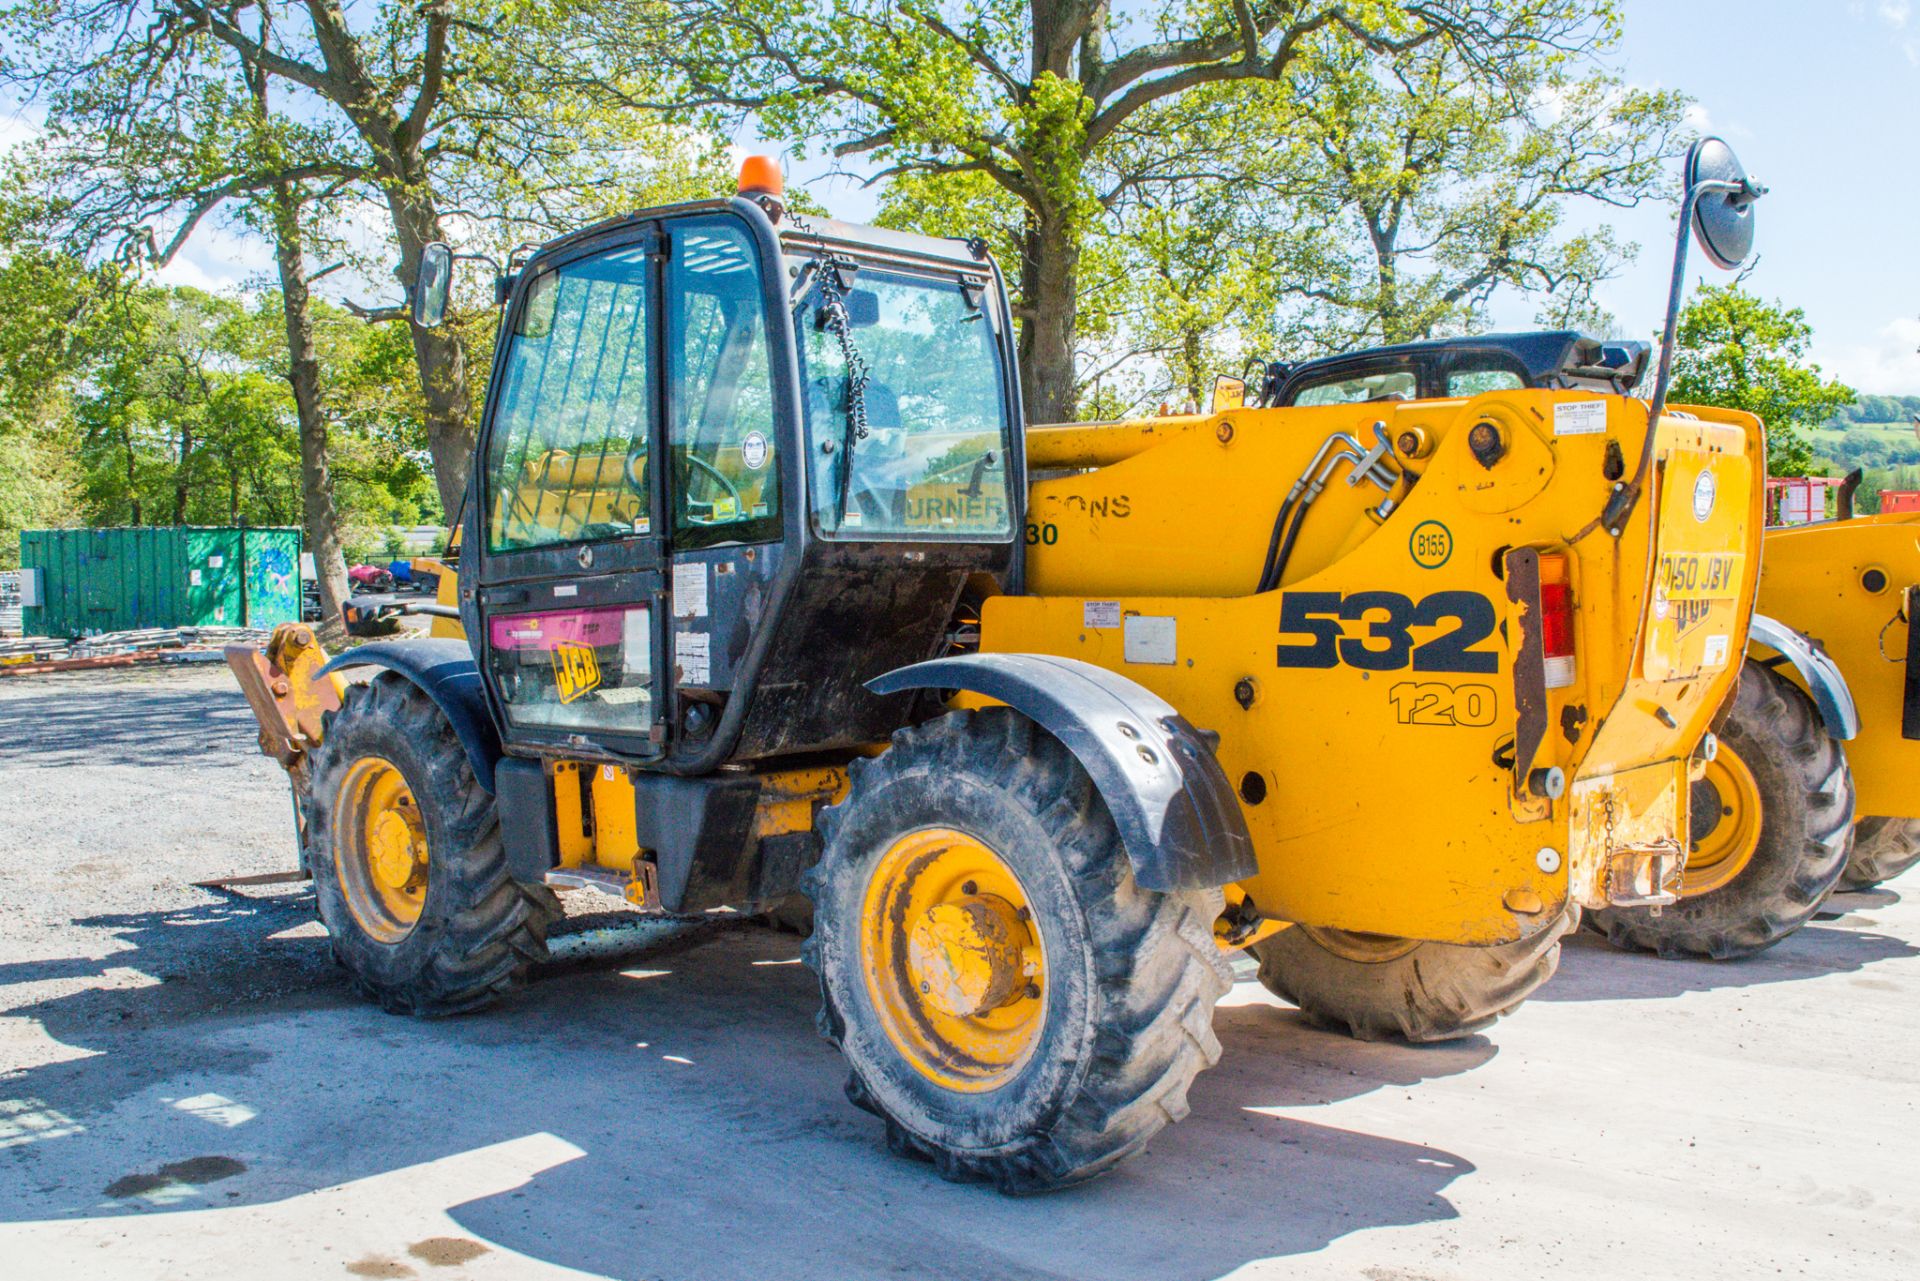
(1821, 674)
(1175, 809)
(444, 670)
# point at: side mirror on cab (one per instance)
(432, 285)
(1228, 393)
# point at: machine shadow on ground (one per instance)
(128, 724)
(711, 1116)
(1593, 970)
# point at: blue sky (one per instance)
(1820, 98)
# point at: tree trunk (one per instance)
(133, 490)
(1049, 289)
(181, 477)
(322, 520)
(439, 354)
(1194, 355)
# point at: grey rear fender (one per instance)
(1177, 813)
(444, 670)
(1818, 672)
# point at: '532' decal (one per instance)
(1388, 645)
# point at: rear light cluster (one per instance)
(1556, 620)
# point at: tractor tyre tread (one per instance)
(1437, 992)
(1154, 976)
(1882, 849)
(480, 931)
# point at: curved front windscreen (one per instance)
(932, 462)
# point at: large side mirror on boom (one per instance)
(432, 285)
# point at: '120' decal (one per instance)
(1388, 644)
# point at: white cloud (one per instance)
(218, 260)
(1896, 12)
(16, 129)
(1698, 118)
(1889, 365)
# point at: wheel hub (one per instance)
(380, 850)
(953, 959)
(1723, 827)
(967, 957)
(395, 849)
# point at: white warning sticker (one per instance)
(1150, 640)
(690, 589)
(692, 656)
(1580, 418)
(1100, 613)
(1714, 652)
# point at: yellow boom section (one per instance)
(1371, 708)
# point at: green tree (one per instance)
(1443, 184)
(161, 112)
(47, 330)
(1737, 350)
(1036, 96)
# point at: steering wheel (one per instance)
(733, 491)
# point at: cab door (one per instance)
(569, 519)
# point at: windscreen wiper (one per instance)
(834, 269)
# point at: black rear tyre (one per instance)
(1792, 776)
(464, 935)
(1120, 1012)
(1377, 988)
(1882, 849)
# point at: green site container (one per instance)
(119, 580)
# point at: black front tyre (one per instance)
(1772, 825)
(1013, 1005)
(408, 867)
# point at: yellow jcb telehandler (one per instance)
(756, 595)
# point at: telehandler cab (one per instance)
(757, 595)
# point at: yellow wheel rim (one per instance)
(953, 963)
(1725, 827)
(1352, 945)
(380, 849)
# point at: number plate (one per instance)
(1698, 576)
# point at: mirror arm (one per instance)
(1613, 519)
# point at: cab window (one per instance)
(568, 453)
(1393, 384)
(1464, 383)
(915, 443)
(726, 481)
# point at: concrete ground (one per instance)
(189, 1089)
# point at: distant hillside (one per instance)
(1870, 410)
(1877, 434)
(1873, 432)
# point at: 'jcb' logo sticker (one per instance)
(575, 670)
